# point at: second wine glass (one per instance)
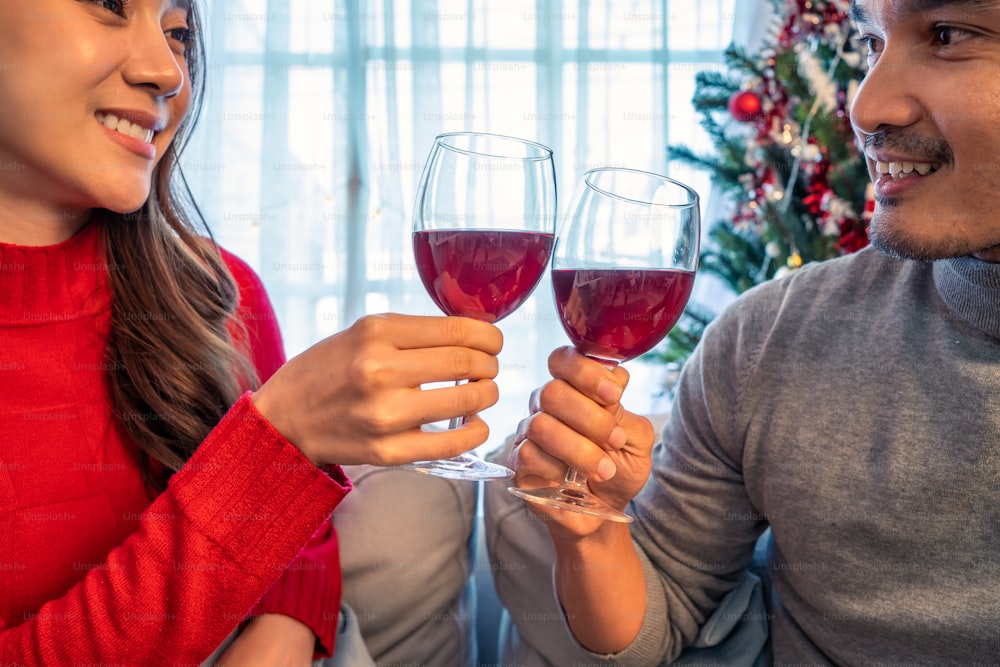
(483, 230)
(622, 272)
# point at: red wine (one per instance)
(617, 314)
(479, 273)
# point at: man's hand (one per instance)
(578, 421)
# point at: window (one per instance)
(319, 115)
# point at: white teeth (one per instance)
(110, 121)
(123, 126)
(137, 132)
(905, 169)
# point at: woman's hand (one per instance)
(577, 420)
(271, 640)
(355, 397)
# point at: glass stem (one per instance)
(457, 422)
(576, 479)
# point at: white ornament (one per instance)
(822, 85)
(811, 153)
(831, 227)
(837, 207)
(773, 250)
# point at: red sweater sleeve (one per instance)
(309, 589)
(208, 548)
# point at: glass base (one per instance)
(461, 467)
(572, 499)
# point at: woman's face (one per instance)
(91, 95)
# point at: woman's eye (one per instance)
(116, 6)
(182, 35)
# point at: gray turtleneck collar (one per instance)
(971, 289)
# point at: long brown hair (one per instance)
(174, 368)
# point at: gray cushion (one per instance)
(405, 548)
(533, 633)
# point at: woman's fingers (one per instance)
(355, 397)
(414, 332)
(411, 368)
(463, 400)
(407, 409)
(420, 445)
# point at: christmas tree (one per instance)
(785, 157)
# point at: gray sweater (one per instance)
(854, 408)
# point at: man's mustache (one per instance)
(909, 144)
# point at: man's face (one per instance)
(928, 117)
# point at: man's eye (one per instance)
(870, 47)
(946, 35)
(871, 44)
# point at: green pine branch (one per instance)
(746, 254)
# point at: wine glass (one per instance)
(483, 230)
(622, 272)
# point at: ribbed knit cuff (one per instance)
(309, 590)
(646, 648)
(254, 493)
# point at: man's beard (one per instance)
(895, 241)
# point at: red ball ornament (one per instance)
(745, 106)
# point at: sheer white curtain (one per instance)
(319, 116)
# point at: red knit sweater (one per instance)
(92, 569)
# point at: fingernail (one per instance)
(609, 391)
(606, 469)
(617, 439)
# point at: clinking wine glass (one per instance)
(483, 230)
(622, 272)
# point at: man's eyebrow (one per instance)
(856, 13)
(907, 8)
